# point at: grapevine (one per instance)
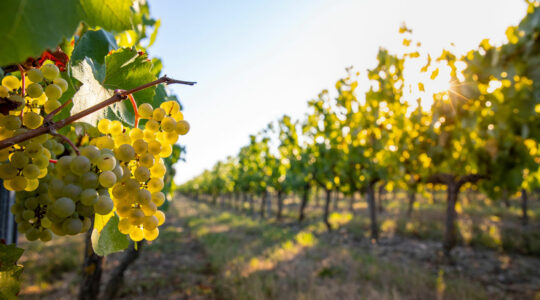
(119, 169)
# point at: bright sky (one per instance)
(257, 60)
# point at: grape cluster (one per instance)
(137, 194)
(75, 189)
(120, 169)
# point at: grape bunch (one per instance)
(60, 189)
(75, 189)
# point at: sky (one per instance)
(257, 60)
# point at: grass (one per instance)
(265, 260)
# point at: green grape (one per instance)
(119, 172)
(171, 137)
(28, 214)
(31, 203)
(151, 126)
(62, 83)
(45, 222)
(23, 226)
(18, 183)
(45, 235)
(145, 110)
(50, 71)
(51, 105)
(168, 124)
(103, 126)
(31, 171)
(116, 128)
(166, 150)
(80, 165)
(104, 205)
(151, 235)
(144, 196)
(158, 170)
(34, 90)
(106, 162)
(63, 207)
(91, 152)
(142, 174)
(7, 171)
(136, 234)
(123, 209)
(63, 165)
(154, 147)
(11, 82)
(132, 185)
(119, 191)
(72, 226)
(31, 185)
(19, 159)
(149, 209)
(32, 120)
(147, 160)
(53, 92)
(4, 91)
(136, 134)
(125, 153)
(155, 185)
(182, 127)
(124, 226)
(136, 216)
(42, 161)
(89, 197)
(72, 191)
(171, 107)
(160, 216)
(11, 122)
(32, 234)
(56, 228)
(34, 75)
(158, 198)
(126, 173)
(158, 114)
(107, 179)
(58, 149)
(150, 222)
(89, 180)
(56, 185)
(140, 146)
(85, 210)
(33, 149)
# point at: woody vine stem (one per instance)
(51, 127)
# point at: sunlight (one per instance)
(422, 87)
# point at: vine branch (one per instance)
(119, 95)
(67, 140)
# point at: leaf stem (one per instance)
(135, 109)
(51, 126)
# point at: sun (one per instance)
(423, 85)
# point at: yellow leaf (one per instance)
(101, 220)
(434, 74)
(421, 87)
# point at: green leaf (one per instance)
(9, 254)
(94, 44)
(124, 69)
(109, 240)
(10, 272)
(30, 27)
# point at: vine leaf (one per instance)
(123, 69)
(109, 240)
(10, 272)
(29, 27)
